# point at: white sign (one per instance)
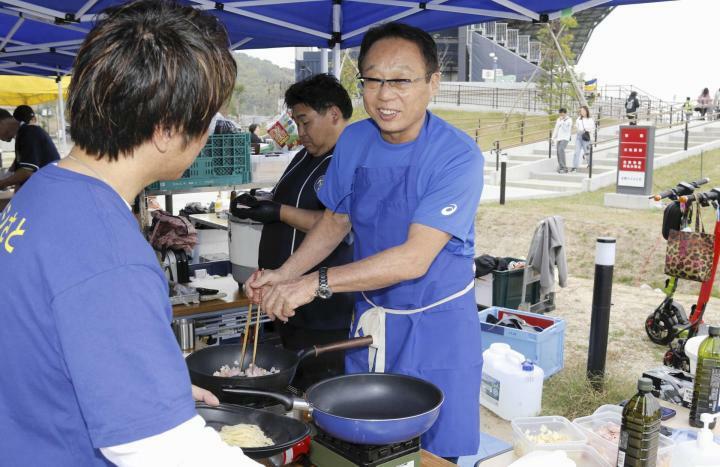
(628, 178)
(488, 74)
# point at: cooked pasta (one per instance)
(245, 435)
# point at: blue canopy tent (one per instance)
(41, 37)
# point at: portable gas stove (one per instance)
(327, 451)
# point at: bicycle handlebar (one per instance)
(712, 195)
(682, 189)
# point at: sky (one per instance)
(667, 49)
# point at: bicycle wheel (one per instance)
(658, 327)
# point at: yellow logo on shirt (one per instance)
(10, 227)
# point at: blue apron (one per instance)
(441, 344)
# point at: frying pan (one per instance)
(367, 408)
(284, 431)
(203, 363)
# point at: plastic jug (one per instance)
(511, 385)
(702, 452)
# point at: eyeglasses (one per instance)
(398, 84)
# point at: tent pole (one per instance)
(337, 31)
(61, 117)
(578, 91)
(323, 61)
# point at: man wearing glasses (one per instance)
(408, 185)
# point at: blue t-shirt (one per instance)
(450, 175)
(89, 359)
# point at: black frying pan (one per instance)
(368, 408)
(203, 363)
(284, 431)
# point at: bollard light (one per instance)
(601, 303)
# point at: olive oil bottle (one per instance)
(640, 430)
(707, 379)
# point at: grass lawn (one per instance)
(640, 246)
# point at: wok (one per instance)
(284, 431)
(203, 363)
(367, 408)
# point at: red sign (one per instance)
(632, 157)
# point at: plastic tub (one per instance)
(525, 429)
(590, 426)
(609, 449)
(583, 455)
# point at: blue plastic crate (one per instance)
(545, 348)
(223, 161)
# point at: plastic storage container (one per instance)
(544, 348)
(558, 432)
(507, 287)
(223, 161)
(511, 386)
(580, 456)
(609, 449)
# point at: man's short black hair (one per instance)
(4, 114)
(252, 127)
(23, 113)
(562, 110)
(426, 44)
(320, 92)
(148, 65)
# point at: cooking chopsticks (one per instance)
(245, 336)
(257, 328)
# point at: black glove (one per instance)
(264, 211)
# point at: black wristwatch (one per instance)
(323, 291)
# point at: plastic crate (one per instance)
(223, 161)
(544, 348)
(507, 287)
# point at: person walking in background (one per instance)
(688, 109)
(704, 102)
(583, 126)
(716, 103)
(561, 135)
(632, 104)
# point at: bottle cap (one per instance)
(645, 385)
(714, 331)
(527, 365)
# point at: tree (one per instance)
(556, 85)
(348, 75)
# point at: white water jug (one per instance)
(511, 386)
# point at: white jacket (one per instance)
(584, 124)
(563, 129)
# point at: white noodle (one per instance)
(245, 436)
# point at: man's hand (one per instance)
(260, 281)
(281, 299)
(203, 395)
(247, 206)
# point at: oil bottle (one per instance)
(707, 379)
(640, 428)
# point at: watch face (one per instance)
(324, 292)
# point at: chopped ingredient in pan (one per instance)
(245, 436)
(227, 371)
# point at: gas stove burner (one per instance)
(328, 451)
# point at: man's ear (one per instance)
(161, 139)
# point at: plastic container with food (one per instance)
(603, 430)
(531, 432)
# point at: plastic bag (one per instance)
(283, 130)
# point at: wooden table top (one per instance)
(235, 297)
